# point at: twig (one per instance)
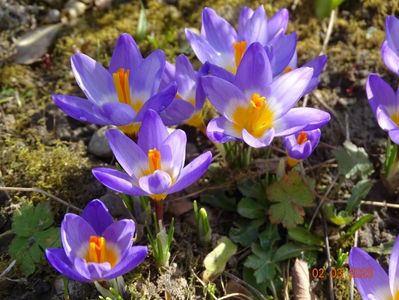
(37, 190)
(371, 203)
(248, 286)
(329, 30)
(329, 163)
(8, 269)
(330, 279)
(235, 295)
(352, 286)
(322, 201)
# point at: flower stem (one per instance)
(159, 209)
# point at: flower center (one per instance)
(98, 252)
(287, 70)
(302, 137)
(256, 118)
(239, 49)
(121, 82)
(395, 119)
(154, 160)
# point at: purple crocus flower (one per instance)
(187, 105)
(121, 95)
(223, 47)
(94, 246)
(153, 166)
(390, 47)
(384, 103)
(254, 107)
(300, 145)
(371, 280)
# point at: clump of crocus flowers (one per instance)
(251, 78)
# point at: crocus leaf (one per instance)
(142, 24)
(250, 208)
(302, 235)
(215, 261)
(261, 261)
(359, 192)
(359, 223)
(244, 232)
(290, 195)
(30, 219)
(353, 161)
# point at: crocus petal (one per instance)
(392, 32)
(173, 153)
(97, 215)
(133, 257)
(254, 72)
(75, 235)
(58, 259)
(390, 57)
(145, 80)
(278, 23)
(245, 15)
(219, 33)
(218, 72)
(126, 54)
(117, 181)
(225, 96)
(255, 28)
(152, 132)
(94, 80)
(300, 118)
(118, 113)
(80, 109)
(185, 75)
(317, 65)
(221, 130)
(254, 142)
(158, 102)
(192, 172)
(201, 47)
(394, 135)
(156, 183)
(285, 91)
(394, 268)
(384, 120)
(177, 112)
(376, 286)
(168, 75)
(380, 93)
(93, 271)
(128, 154)
(281, 50)
(120, 235)
(301, 151)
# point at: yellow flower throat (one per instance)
(98, 252)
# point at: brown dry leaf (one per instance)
(300, 280)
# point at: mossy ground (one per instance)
(34, 155)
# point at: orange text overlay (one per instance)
(341, 272)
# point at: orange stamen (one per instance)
(287, 69)
(154, 160)
(302, 137)
(257, 101)
(239, 49)
(99, 253)
(121, 82)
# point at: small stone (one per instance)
(102, 3)
(115, 205)
(53, 16)
(76, 290)
(99, 144)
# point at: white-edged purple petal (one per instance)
(376, 284)
(185, 76)
(118, 181)
(221, 130)
(94, 80)
(245, 15)
(173, 153)
(225, 96)
(126, 54)
(128, 154)
(394, 268)
(201, 47)
(152, 132)
(280, 51)
(380, 93)
(156, 183)
(390, 57)
(219, 33)
(119, 236)
(305, 149)
(394, 135)
(254, 29)
(75, 235)
(59, 261)
(218, 72)
(384, 120)
(254, 73)
(94, 271)
(278, 23)
(285, 91)
(301, 118)
(392, 32)
(80, 109)
(97, 215)
(133, 257)
(263, 141)
(317, 64)
(192, 172)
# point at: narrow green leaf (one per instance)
(300, 234)
(359, 223)
(142, 24)
(290, 250)
(359, 192)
